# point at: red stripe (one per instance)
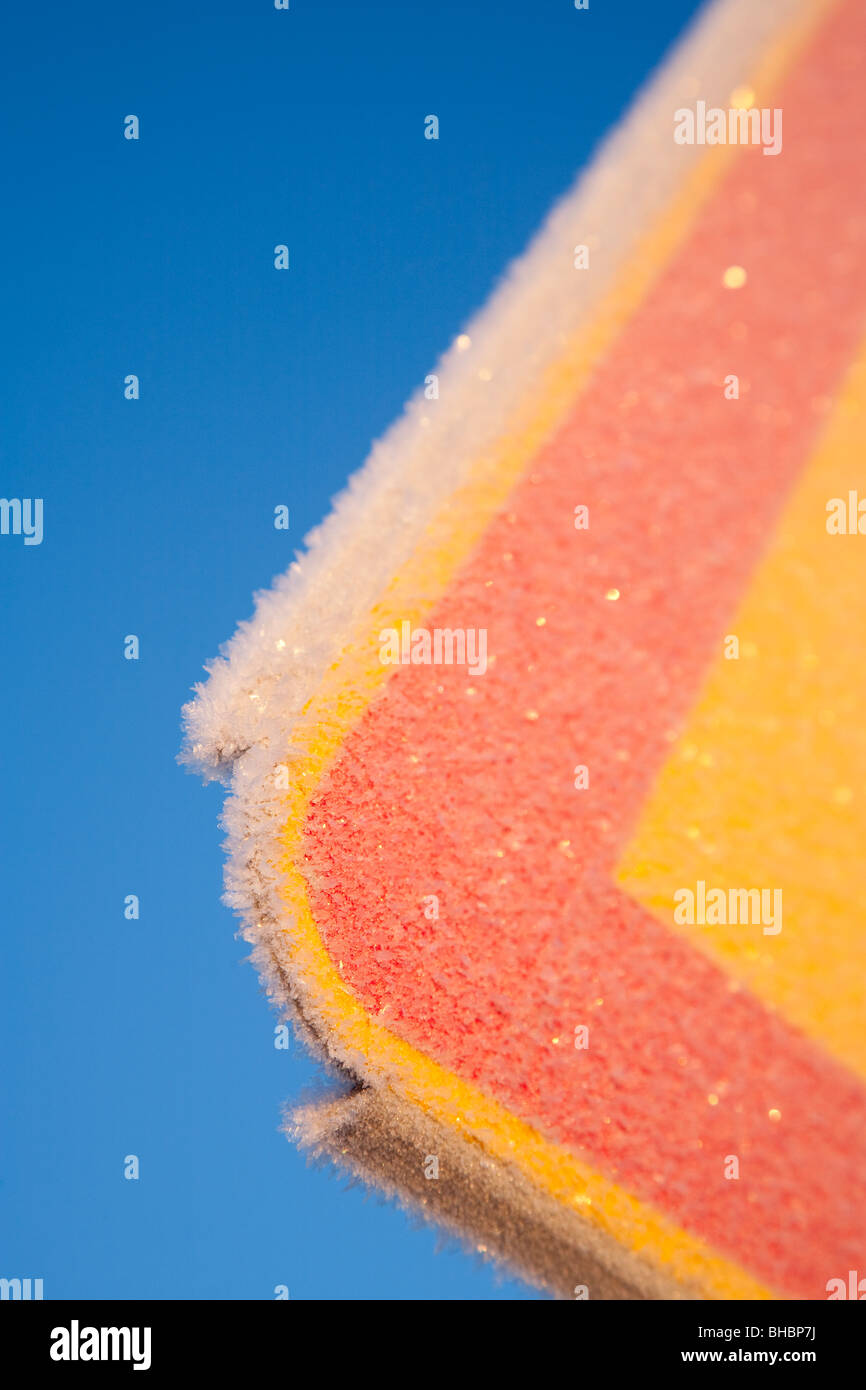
(683, 489)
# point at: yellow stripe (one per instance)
(358, 1040)
(767, 787)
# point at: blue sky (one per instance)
(258, 387)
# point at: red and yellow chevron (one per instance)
(629, 497)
